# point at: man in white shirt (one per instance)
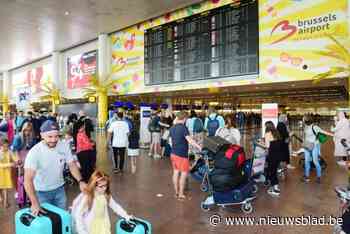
(43, 169)
(120, 131)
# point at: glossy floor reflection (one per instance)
(138, 194)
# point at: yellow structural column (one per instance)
(349, 92)
(57, 80)
(103, 70)
(102, 105)
(6, 91)
(5, 105)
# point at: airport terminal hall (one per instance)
(175, 116)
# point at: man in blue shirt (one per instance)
(180, 138)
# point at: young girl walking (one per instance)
(7, 161)
(90, 208)
(133, 149)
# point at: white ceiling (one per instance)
(31, 29)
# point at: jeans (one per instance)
(56, 197)
(313, 156)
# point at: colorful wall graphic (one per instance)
(27, 84)
(80, 67)
(290, 31)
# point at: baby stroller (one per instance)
(259, 163)
(200, 170)
(344, 197)
(347, 148)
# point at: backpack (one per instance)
(212, 126)
(4, 127)
(197, 125)
(230, 157)
(153, 125)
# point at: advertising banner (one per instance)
(269, 112)
(292, 31)
(80, 67)
(27, 85)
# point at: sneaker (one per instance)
(157, 156)
(276, 188)
(116, 171)
(271, 191)
(150, 154)
(289, 166)
(260, 179)
(305, 179)
(342, 163)
(318, 180)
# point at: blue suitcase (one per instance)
(55, 221)
(135, 226)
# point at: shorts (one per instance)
(180, 163)
(156, 137)
(133, 152)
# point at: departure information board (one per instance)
(223, 42)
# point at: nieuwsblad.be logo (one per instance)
(305, 29)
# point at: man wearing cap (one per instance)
(43, 169)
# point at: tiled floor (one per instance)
(138, 194)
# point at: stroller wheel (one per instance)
(247, 208)
(255, 188)
(204, 187)
(205, 207)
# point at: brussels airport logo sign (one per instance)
(306, 29)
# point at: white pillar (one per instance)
(56, 74)
(103, 58)
(7, 84)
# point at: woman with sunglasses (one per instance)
(90, 209)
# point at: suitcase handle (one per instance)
(140, 222)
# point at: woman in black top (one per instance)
(275, 149)
(283, 131)
(133, 149)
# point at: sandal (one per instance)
(176, 195)
(181, 198)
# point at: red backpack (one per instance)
(237, 152)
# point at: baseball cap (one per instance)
(49, 126)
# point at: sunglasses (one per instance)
(102, 186)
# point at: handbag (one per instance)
(308, 145)
(322, 138)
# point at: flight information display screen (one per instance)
(223, 42)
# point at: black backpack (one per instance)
(153, 125)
